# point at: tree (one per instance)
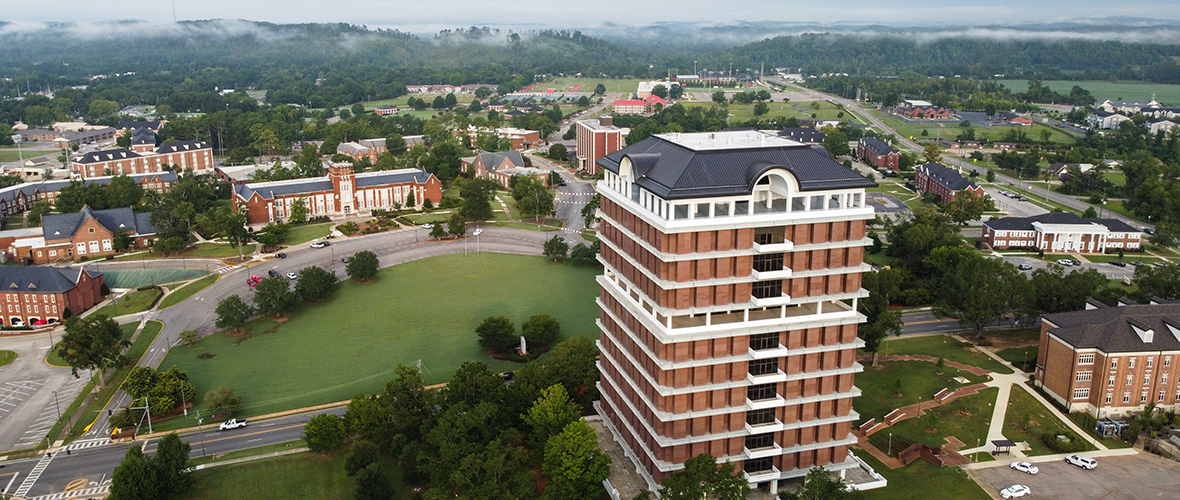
(558, 152)
(1056, 291)
(222, 401)
(123, 191)
(496, 333)
(676, 91)
(477, 199)
(976, 290)
(1090, 213)
(134, 477)
(701, 478)
(456, 225)
(719, 98)
(438, 231)
(551, 413)
(171, 465)
(360, 456)
(474, 107)
(473, 383)
(914, 237)
(556, 247)
(968, 205)
(232, 312)
(931, 154)
(582, 255)
(324, 433)
(122, 240)
(273, 296)
(140, 381)
(541, 328)
(590, 211)
(819, 485)
(761, 108)
(534, 199)
(315, 283)
(298, 211)
(36, 211)
(92, 343)
(410, 201)
(836, 142)
(373, 484)
(363, 266)
(1162, 282)
(881, 320)
(189, 337)
(574, 463)
(599, 89)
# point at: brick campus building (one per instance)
(1060, 232)
(34, 294)
(595, 139)
(728, 258)
(342, 192)
(145, 157)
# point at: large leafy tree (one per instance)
(362, 266)
(881, 320)
(1162, 282)
(456, 224)
(134, 478)
(574, 463)
(556, 247)
(976, 290)
(1055, 290)
(92, 343)
(551, 413)
(534, 199)
(702, 478)
(472, 383)
(477, 199)
(273, 296)
(324, 433)
(819, 485)
(315, 283)
(171, 466)
(496, 332)
(915, 237)
(233, 312)
(541, 328)
(968, 206)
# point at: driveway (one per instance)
(1131, 477)
(1012, 206)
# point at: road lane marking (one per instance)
(236, 436)
(253, 440)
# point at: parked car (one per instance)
(319, 244)
(253, 280)
(1160, 263)
(1015, 491)
(18, 322)
(292, 276)
(1025, 467)
(477, 232)
(428, 226)
(1081, 461)
(1065, 262)
(233, 423)
(1118, 263)
(1136, 263)
(280, 255)
(272, 273)
(1149, 231)
(40, 322)
(1024, 267)
(344, 259)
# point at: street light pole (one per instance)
(57, 404)
(201, 432)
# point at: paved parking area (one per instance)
(1109, 270)
(1012, 206)
(886, 203)
(1132, 477)
(39, 427)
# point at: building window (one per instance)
(81, 248)
(759, 441)
(763, 366)
(681, 212)
(1146, 379)
(93, 247)
(1160, 397)
(758, 465)
(1164, 379)
(702, 211)
(741, 208)
(1128, 380)
(1148, 361)
(1086, 359)
(1130, 362)
(761, 391)
(817, 202)
(768, 262)
(768, 289)
(1083, 377)
(759, 417)
(1109, 397)
(90, 230)
(763, 341)
(720, 210)
(53, 253)
(1114, 363)
(1081, 393)
(798, 204)
(1167, 361)
(1110, 381)
(106, 245)
(1126, 398)
(1143, 397)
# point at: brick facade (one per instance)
(341, 193)
(1060, 232)
(39, 294)
(184, 155)
(879, 154)
(595, 139)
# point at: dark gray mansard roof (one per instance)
(57, 226)
(948, 177)
(41, 279)
(1025, 223)
(674, 171)
(877, 146)
(1110, 328)
(268, 190)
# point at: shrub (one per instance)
(1074, 443)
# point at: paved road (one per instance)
(28, 388)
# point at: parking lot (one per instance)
(1109, 270)
(1141, 476)
(1012, 206)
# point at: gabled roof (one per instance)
(387, 177)
(139, 124)
(1056, 218)
(181, 146)
(31, 188)
(878, 147)
(677, 166)
(492, 160)
(1112, 329)
(41, 279)
(269, 190)
(58, 226)
(947, 177)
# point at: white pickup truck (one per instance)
(233, 423)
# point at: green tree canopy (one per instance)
(315, 283)
(574, 463)
(324, 433)
(497, 333)
(702, 478)
(363, 266)
(233, 312)
(92, 343)
(273, 296)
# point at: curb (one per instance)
(251, 458)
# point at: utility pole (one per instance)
(146, 408)
(201, 432)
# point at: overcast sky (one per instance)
(454, 13)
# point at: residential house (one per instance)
(1127, 107)
(86, 234)
(385, 110)
(341, 193)
(195, 156)
(654, 103)
(1061, 232)
(944, 182)
(1162, 125)
(879, 154)
(1063, 170)
(1013, 119)
(596, 139)
(1105, 119)
(501, 167)
(46, 295)
(1110, 361)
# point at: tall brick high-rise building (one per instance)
(732, 270)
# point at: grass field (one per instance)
(6, 357)
(215, 251)
(135, 278)
(1022, 408)
(918, 380)
(350, 343)
(1115, 91)
(145, 339)
(188, 290)
(624, 85)
(950, 131)
(964, 418)
(921, 479)
(308, 476)
(941, 346)
(822, 110)
(11, 154)
(305, 233)
(248, 452)
(14, 222)
(137, 301)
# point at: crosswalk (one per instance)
(34, 475)
(93, 492)
(226, 269)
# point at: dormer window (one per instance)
(90, 230)
(32, 286)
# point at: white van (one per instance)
(1081, 461)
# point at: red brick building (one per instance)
(595, 139)
(17, 199)
(87, 233)
(520, 139)
(732, 268)
(501, 167)
(36, 294)
(629, 107)
(1061, 232)
(1111, 360)
(145, 158)
(341, 193)
(879, 154)
(385, 110)
(923, 110)
(944, 182)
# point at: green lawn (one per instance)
(964, 418)
(1115, 91)
(305, 233)
(188, 290)
(248, 452)
(823, 110)
(942, 346)
(1022, 408)
(425, 310)
(432, 218)
(918, 380)
(133, 302)
(1117, 178)
(11, 154)
(14, 222)
(6, 357)
(308, 476)
(921, 479)
(216, 251)
(1024, 358)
